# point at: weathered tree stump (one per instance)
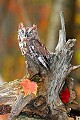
(50, 71)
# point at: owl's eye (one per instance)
(22, 31)
(29, 34)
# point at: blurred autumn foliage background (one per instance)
(44, 13)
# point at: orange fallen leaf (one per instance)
(4, 117)
(29, 86)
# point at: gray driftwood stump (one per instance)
(49, 70)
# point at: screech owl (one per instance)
(30, 45)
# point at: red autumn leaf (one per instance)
(65, 95)
(29, 87)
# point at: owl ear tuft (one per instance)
(20, 25)
(34, 27)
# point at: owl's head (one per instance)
(26, 33)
